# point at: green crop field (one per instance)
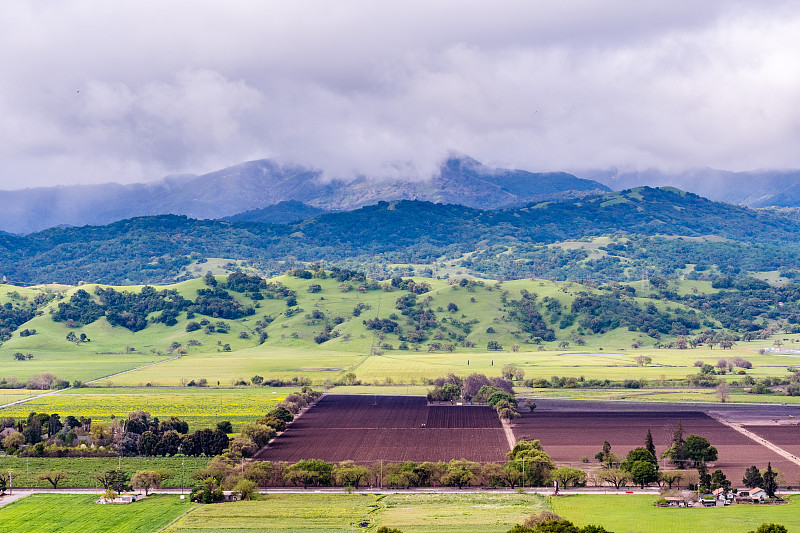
(410, 367)
(281, 363)
(81, 470)
(13, 395)
(636, 513)
(451, 513)
(411, 513)
(343, 512)
(45, 513)
(200, 407)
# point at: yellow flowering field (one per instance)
(200, 407)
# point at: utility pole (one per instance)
(10, 484)
(182, 470)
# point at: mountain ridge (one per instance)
(156, 248)
(261, 183)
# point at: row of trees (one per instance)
(527, 464)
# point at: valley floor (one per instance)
(449, 511)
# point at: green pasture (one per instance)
(282, 512)
(46, 513)
(290, 349)
(72, 366)
(286, 513)
(453, 513)
(81, 470)
(13, 395)
(629, 512)
(200, 407)
(411, 513)
(227, 368)
(411, 367)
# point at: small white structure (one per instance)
(122, 498)
(754, 495)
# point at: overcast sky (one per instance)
(96, 91)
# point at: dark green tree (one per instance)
(704, 478)
(148, 443)
(752, 477)
(770, 528)
(643, 473)
(699, 450)
(648, 444)
(718, 480)
(770, 481)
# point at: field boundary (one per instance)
(187, 511)
(752, 436)
(512, 441)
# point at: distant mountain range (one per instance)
(255, 185)
(155, 249)
(757, 188)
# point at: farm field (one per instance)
(200, 407)
(227, 368)
(71, 366)
(371, 428)
(637, 513)
(12, 395)
(787, 437)
(412, 513)
(62, 513)
(412, 368)
(81, 470)
(569, 436)
(701, 395)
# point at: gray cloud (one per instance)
(131, 91)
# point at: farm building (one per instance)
(754, 495)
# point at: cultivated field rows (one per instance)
(400, 428)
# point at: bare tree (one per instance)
(723, 391)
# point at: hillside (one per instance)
(283, 212)
(316, 313)
(328, 320)
(161, 249)
(258, 184)
(756, 188)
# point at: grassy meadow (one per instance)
(290, 350)
(51, 513)
(411, 513)
(636, 513)
(81, 470)
(413, 368)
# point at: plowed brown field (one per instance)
(569, 436)
(390, 428)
